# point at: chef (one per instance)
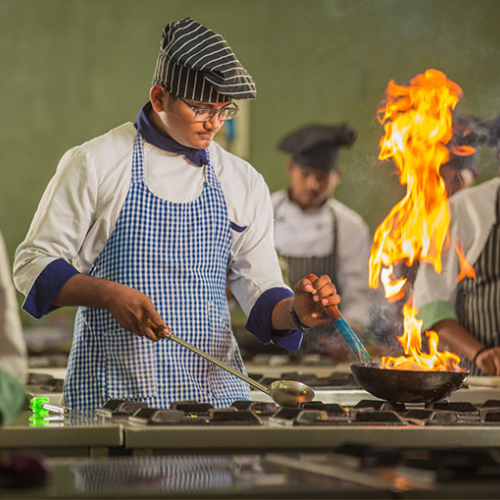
(144, 226)
(13, 352)
(315, 232)
(466, 315)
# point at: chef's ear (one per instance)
(158, 97)
(290, 164)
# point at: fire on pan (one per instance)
(417, 121)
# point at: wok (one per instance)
(406, 386)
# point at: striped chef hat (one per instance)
(197, 63)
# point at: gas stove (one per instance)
(261, 425)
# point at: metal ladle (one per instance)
(283, 392)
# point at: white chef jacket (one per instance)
(13, 353)
(304, 233)
(473, 213)
(79, 209)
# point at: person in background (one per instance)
(144, 226)
(316, 233)
(461, 170)
(466, 316)
(13, 353)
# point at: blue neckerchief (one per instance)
(152, 135)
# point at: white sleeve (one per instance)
(254, 266)
(62, 220)
(431, 286)
(13, 354)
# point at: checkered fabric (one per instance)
(177, 254)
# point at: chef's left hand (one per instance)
(311, 298)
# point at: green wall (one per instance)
(72, 69)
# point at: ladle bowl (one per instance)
(290, 392)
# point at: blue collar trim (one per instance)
(152, 135)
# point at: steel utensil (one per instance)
(283, 392)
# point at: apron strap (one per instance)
(138, 161)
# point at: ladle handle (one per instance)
(203, 354)
(345, 330)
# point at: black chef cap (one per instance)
(196, 63)
(318, 146)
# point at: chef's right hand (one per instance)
(489, 361)
(132, 309)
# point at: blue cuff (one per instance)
(47, 286)
(259, 321)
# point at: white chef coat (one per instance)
(473, 213)
(13, 353)
(304, 233)
(78, 211)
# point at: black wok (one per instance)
(406, 386)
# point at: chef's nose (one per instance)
(215, 122)
(312, 182)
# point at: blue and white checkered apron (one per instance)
(177, 254)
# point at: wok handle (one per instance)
(345, 330)
(203, 354)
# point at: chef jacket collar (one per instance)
(146, 128)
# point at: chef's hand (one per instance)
(311, 298)
(489, 361)
(132, 309)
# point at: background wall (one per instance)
(72, 69)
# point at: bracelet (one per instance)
(300, 326)
(478, 353)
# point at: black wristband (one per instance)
(478, 353)
(300, 326)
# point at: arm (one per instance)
(308, 301)
(459, 340)
(131, 308)
(70, 217)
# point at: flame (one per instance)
(417, 121)
(466, 269)
(415, 359)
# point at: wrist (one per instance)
(296, 321)
(478, 353)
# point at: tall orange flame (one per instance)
(417, 122)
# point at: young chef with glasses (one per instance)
(334, 240)
(148, 223)
(466, 315)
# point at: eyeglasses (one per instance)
(206, 114)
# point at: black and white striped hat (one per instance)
(197, 63)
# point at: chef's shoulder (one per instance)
(475, 201)
(245, 189)
(109, 153)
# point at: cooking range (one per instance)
(344, 444)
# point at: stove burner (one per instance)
(315, 413)
(120, 408)
(191, 407)
(258, 407)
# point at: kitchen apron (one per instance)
(297, 268)
(478, 300)
(177, 254)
